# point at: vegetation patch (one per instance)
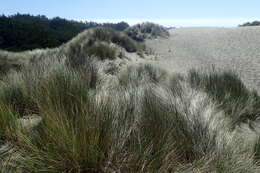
(140, 32)
(228, 90)
(109, 35)
(140, 119)
(254, 23)
(22, 32)
(145, 120)
(102, 50)
(103, 43)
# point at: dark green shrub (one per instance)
(21, 32)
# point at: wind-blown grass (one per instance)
(102, 50)
(148, 121)
(138, 119)
(228, 90)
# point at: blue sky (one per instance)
(165, 12)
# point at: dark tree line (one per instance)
(254, 23)
(25, 32)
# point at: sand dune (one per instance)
(226, 48)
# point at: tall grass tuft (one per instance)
(103, 51)
(226, 88)
(8, 123)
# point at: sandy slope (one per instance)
(228, 48)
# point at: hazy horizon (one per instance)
(170, 13)
(199, 22)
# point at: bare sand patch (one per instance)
(235, 49)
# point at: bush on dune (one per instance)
(140, 32)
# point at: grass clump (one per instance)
(118, 38)
(14, 94)
(127, 43)
(103, 51)
(73, 136)
(141, 74)
(8, 124)
(228, 90)
(102, 34)
(103, 43)
(140, 32)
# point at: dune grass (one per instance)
(8, 123)
(103, 51)
(229, 92)
(104, 43)
(146, 30)
(119, 38)
(147, 121)
(137, 119)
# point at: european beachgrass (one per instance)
(145, 121)
(140, 119)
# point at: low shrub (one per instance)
(140, 32)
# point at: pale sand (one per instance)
(226, 48)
